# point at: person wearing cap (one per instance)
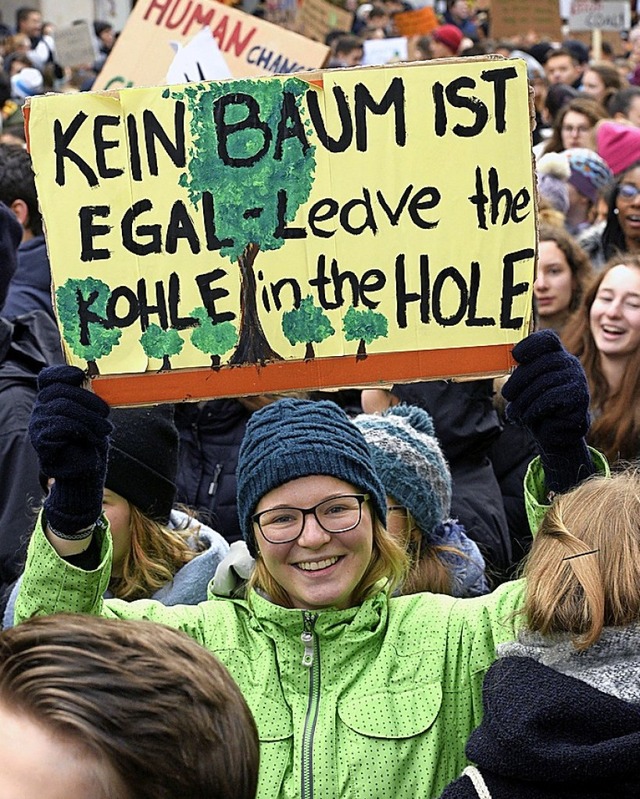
(589, 180)
(355, 691)
(619, 146)
(416, 477)
(159, 551)
(446, 41)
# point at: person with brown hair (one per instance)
(91, 707)
(575, 125)
(562, 702)
(601, 80)
(605, 334)
(563, 271)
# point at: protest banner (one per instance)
(520, 17)
(250, 46)
(588, 15)
(74, 45)
(328, 229)
(317, 17)
(385, 51)
(415, 23)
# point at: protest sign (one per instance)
(385, 51)
(249, 46)
(317, 17)
(74, 45)
(588, 15)
(328, 229)
(415, 23)
(520, 17)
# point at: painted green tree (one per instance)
(364, 326)
(212, 338)
(251, 152)
(82, 310)
(161, 344)
(307, 324)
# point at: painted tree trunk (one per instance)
(362, 351)
(253, 346)
(92, 369)
(215, 362)
(309, 353)
(166, 364)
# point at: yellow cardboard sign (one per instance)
(331, 228)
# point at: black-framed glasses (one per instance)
(335, 515)
(628, 191)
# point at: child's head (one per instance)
(583, 571)
(103, 708)
(139, 494)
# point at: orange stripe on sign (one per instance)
(320, 373)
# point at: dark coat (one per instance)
(210, 436)
(27, 345)
(30, 287)
(546, 735)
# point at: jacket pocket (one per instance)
(275, 731)
(392, 715)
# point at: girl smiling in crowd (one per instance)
(354, 691)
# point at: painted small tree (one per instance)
(82, 310)
(161, 344)
(365, 326)
(212, 338)
(252, 161)
(307, 324)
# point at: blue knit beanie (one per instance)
(294, 438)
(408, 458)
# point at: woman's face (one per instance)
(593, 85)
(615, 313)
(628, 206)
(554, 283)
(118, 512)
(318, 569)
(577, 131)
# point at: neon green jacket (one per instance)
(373, 701)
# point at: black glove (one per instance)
(548, 394)
(69, 430)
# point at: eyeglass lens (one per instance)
(335, 515)
(628, 191)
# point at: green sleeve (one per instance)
(51, 585)
(535, 494)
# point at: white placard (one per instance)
(605, 16)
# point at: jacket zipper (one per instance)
(311, 660)
(213, 485)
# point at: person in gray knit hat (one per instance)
(416, 477)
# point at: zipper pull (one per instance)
(307, 639)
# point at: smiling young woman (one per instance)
(605, 334)
(351, 686)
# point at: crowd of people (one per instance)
(424, 590)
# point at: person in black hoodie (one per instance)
(562, 703)
(27, 345)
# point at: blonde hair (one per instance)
(583, 570)
(427, 570)
(156, 554)
(389, 562)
